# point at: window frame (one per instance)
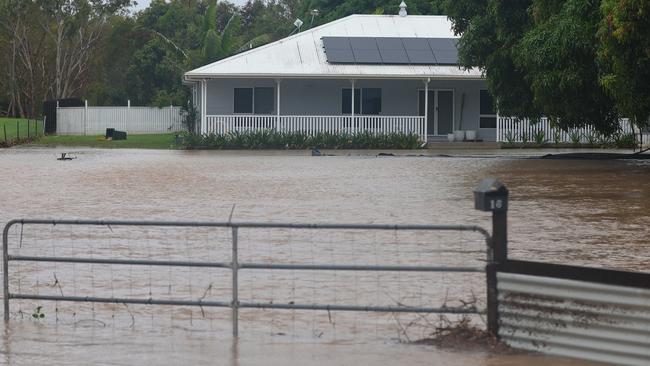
(482, 115)
(253, 112)
(360, 101)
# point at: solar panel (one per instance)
(338, 50)
(391, 50)
(389, 43)
(447, 57)
(445, 50)
(363, 43)
(340, 56)
(367, 56)
(336, 43)
(394, 57)
(417, 44)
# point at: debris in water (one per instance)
(66, 156)
(461, 334)
(315, 152)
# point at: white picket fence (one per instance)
(511, 129)
(133, 120)
(316, 124)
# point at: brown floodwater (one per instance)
(579, 212)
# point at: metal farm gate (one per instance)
(234, 265)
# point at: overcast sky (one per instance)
(144, 3)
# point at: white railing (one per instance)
(133, 120)
(511, 129)
(316, 124)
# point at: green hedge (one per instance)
(271, 139)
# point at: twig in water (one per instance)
(131, 314)
(205, 293)
(20, 245)
(232, 211)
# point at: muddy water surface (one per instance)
(592, 213)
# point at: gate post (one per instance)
(235, 284)
(492, 196)
(5, 270)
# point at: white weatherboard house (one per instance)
(403, 70)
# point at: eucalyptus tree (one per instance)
(75, 28)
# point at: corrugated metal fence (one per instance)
(589, 313)
(133, 120)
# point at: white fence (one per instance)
(316, 124)
(511, 129)
(133, 120)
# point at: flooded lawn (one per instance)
(578, 212)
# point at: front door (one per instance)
(440, 116)
(445, 111)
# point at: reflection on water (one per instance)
(580, 212)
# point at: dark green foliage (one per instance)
(271, 139)
(540, 137)
(624, 54)
(576, 62)
(625, 140)
(332, 10)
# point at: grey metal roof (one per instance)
(303, 55)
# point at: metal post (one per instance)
(5, 272)
(277, 121)
(85, 115)
(499, 236)
(492, 196)
(426, 110)
(204, 99)
(499, 254)
(235, 285)
(352, 108)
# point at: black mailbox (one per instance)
(491, 195)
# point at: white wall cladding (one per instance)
(605, 323)
(133, 120)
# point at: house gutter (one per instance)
(197, 77)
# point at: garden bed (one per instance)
(270, 139)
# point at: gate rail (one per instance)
(235, 266)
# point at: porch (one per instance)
(426, 107)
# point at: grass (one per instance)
(157, 141)
(12, 129)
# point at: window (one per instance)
(253, 100)
(346, 101)
(243, 100)
(366, 101)
(371, 101)
(488, 116)
(264, 100)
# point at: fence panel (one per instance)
(588, 313)
(522, 130)
(133, 120)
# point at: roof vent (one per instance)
(402, 9)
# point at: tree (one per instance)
(564, 59)
(74, 27)
(332, 10)
(624, 53)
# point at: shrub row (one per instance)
(271, 139)
(592, 139)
